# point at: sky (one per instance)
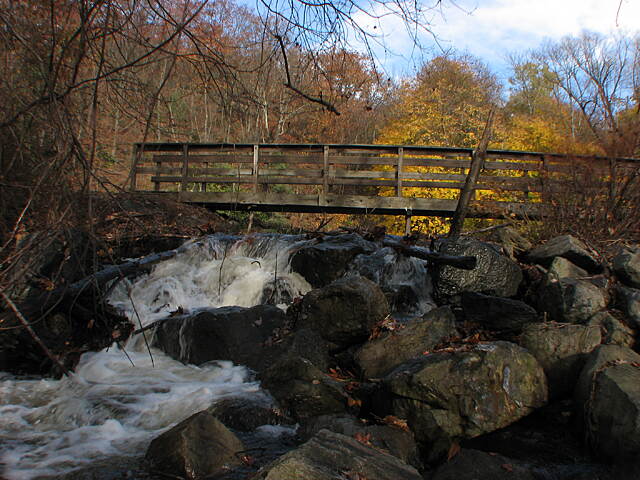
(491, 29)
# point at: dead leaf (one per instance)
(454, 450)
(354, 402)
(508, 467)
(396, 422)
(365, 439)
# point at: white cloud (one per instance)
(490, 29)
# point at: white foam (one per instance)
(110, 408)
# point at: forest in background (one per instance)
(84, 79)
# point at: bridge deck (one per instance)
(379, 179)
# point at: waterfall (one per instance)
(117, 401)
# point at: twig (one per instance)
(133, 304)
(487, 229)
(329, 106)
(33, 334)
(224, 256)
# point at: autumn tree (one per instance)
(446, 104)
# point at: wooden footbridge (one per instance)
(375, 179)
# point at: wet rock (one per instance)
(497, 313)
(245, 414)
(494, 274)
(379, 356)
(395, 440)
(302, 389)
(608, 402)
(626, 266)
(323, 262)
(561, 349)
(197, 447)
(330, 456)
(476, 465)
(345, 311)
(567, 247)
(405, 281)
(571, 301)
(447, 396)
(628, 300)
(613, 330)
(562, 268)
(238, 334)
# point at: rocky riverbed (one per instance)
(337, 357)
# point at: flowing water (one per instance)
(117, 401)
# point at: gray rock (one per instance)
(302, 389)
(613, 413)
(626, 266)
(498, 313)
(476, 465)
(397, 441)
(229, 333)
(345, 311)
(561, 349)
(331, 456)
(599, 360)
(379, 356)
(628, 300)
(197, 447)
(323, 262)
(562, 268)
(571, 301)
(567, 247)
(447, 396)
(613, 330)
(247, 413)
(495, 274)
(512, 241)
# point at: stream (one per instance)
(119, 399)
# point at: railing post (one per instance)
(203, 185)
(134, 166)
(256, 157)
(156, 185)
(325, 175)
(185, 167)
(399, 171)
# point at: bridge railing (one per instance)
(508, 177)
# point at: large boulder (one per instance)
(327, 260)
(394, 439)
(570, 300)
(567, 247)
(613, 330)
(238, 334)
(561, 349)
(345, 311)
(626, 266)
(498, 313)
(447, 396)
(330, 456)
(628, 300)
(302, 389)
(494, 274)
(379, 356)
(197, 447)
(476, 465)
(608, 402)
